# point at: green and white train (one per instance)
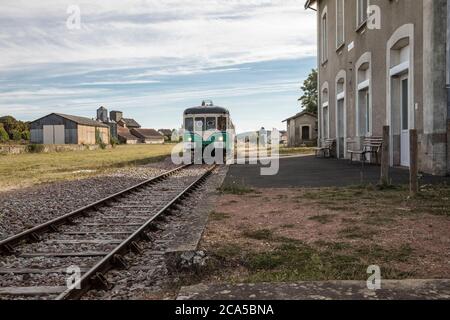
(208, 126)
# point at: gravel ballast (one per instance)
(25, 208)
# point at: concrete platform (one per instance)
(328, 290)
(309, 171)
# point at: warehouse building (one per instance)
(57, 128)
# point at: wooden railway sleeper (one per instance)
(99, 280)
(8, 249)
(34, 237)
(120, 262)
(135, 247)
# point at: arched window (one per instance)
(325, 111)
(364, 96)
(341, 114)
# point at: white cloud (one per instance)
(206, 32)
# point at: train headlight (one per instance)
(190, 139)
(221, 138)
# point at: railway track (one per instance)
(92, 240)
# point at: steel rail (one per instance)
(7, 245)
(115, 259)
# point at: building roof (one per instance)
(79, 120)
(301, 114)
(206, 110)
(125, 133)
(166, 132)
(131, 123)
(146, 133)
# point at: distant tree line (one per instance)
(12, 129)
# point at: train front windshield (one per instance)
(205, 124)
(189, 124)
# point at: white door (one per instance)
(405, 109)
(54, 134)
(59, 134)
(48, 135)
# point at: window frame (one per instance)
(360, 21)
(339, 45)
(324, 36)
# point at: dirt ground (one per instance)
(328, 234)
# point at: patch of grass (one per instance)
(235, 188)
(35, 148)
(218, 216)
(356, 232)
(295, 151)
(33, 168)
(288, 226)
(378, 219)
(301, 263)
(376, 254)
(323, 218)
(228, 251)
(263, 234)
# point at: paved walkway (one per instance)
(309, 171)
(329, 290)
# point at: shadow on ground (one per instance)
(310, 171)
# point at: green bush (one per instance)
(99, 140)
(16, 135)
(26, 135)
(3, 134)
(35, 148)
(114, 141)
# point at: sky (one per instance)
(152, 59)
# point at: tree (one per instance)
(309, 100)
(15, 129)
(3, 134)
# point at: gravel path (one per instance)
(22, 209)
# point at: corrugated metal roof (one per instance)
(131, 123)
(82, 120)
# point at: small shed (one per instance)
(302, 129)
(58, 128)
(149, 136)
